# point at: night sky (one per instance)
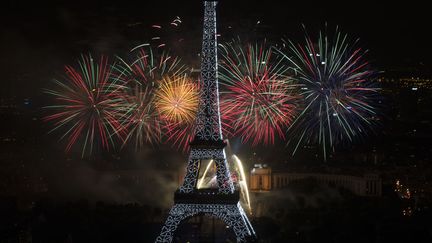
(38, 38)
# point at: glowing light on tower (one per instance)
(242, 181)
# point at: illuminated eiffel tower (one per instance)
(223, 201)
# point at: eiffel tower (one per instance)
(223, 201)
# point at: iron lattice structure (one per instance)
(222, 202)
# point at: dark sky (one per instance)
(39, 37)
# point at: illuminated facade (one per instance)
(262, 179)
(413, 83)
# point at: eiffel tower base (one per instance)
(232, 214)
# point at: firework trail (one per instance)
(87, 105)
(258, 100)
(163, 33)
(338, 89)
(201, 180)
(148, 66)
(143, 76)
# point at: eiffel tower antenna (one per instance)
(223, 201)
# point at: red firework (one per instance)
(258, 102)
(87, 105)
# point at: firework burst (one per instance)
(141, 119)
(87, 105)
(338, 89)
(177, 103)
(258, 102)
(177, 99)
(143, 76)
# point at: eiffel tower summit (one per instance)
(221, 202)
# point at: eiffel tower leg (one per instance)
(192, 170)
(235, 218)
(177, 214)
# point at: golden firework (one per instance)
(177, 99)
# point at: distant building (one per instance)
(413, 83)
(262, 179)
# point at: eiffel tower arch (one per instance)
(223, 201)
